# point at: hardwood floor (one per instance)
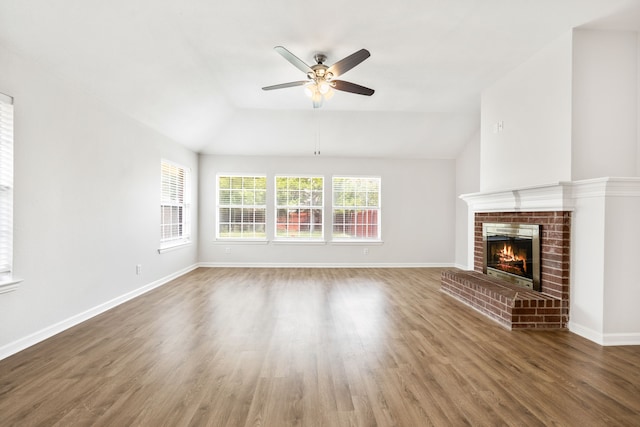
(334, 347)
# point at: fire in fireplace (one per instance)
(512, 253)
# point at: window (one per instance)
(7, 283)
(299, 207)
(242, 207)
(356, 208)
(175, 208)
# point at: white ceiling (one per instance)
(193, 69)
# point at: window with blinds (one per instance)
(299, 207)
(242, 207)
(6, 187)
(356, 208)
(175, 205)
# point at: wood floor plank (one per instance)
(314, 347)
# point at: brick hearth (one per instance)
(513, 306)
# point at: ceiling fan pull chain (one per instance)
(317, 149)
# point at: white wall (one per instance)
(467, 181)
(587, 266)
(534, 104)
(87, 182)
(418, 216)
(621, 254)
(605, 96)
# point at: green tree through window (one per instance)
(299, 207)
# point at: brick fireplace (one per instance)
(515, 306)
(593, 280)
(555, 248)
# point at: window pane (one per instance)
(317, 217)
(224, 182)
(248, 197)
(316, 198)
(247, 216)
(236, 197)
(281, 216)
(224, 197)
(236, 182)
(236, 215)
(225, 215)
(249, 182)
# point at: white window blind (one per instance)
(242, 207)
(175, 207)
(299, 207)
(6, 185)
(356, 208)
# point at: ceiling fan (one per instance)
(321, 79)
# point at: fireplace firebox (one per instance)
(512, 253)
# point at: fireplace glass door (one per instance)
(512, 253)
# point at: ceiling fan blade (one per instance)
(349, 62)
(297, 62)
(352, 87)
(284, 85)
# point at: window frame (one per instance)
(357, 207)
(184, 206)
(255, 207)
(311, 207)
(7, 280)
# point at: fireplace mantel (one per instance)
(551, 197)
(559, 196)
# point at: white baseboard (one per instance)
(462, 267)
(323, 265)
(630, 338)
(585, 332)
(622, 339)
(41, 335)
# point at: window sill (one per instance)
(173, 247)
(299, 242)
(8, 284)
(232, 241)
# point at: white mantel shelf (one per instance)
(559, 196)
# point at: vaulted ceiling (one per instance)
(193, 69)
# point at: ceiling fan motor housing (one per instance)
(320, 58)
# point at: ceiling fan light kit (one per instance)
(320, 83)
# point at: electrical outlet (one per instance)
(227, 250)
(139, 269)
(365, 251)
